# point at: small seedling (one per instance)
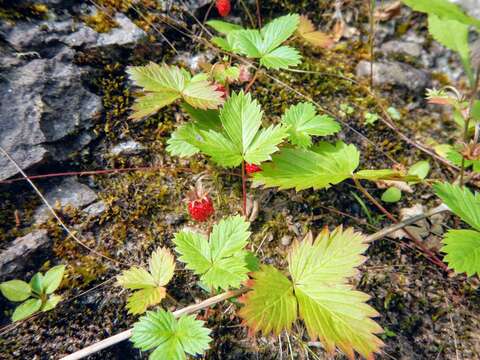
(37, 295)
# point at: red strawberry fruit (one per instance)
(200, 206)
(252, 168)
(201, 209)
(223, 7)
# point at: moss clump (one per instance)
(100, 22)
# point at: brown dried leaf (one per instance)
(388, 11)
(306, 30)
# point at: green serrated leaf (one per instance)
(163, 84)
(136, 278)
(444, 9)
(281, 58)
(303, 122)
(392, 195)
(16, 290)
(320, 167)
(51, 303)
(170, 338)
(141, 300)
(240, 138)
(223, 27)
(331, 310)
(271, 305)
(385, 174)
(279, 30)
(462, 248)
(220, 261)
(53, 278)
(453, 35)
(162, 266)
(26, 309)
(460, 201)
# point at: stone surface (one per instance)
(130, 147)
(95, 209)
(68, 192)
(19, 253)
(43, 102)
(401, 47)
(472, 7)
(395, 73)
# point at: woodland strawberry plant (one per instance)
(314, 289)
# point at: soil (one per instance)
(426, 314)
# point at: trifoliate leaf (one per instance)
(141, 300)
(220, 261)
(51, 303)
(444, 9)
(172, 339)
(460, 201)
(240, 138)
(16, 290)
(319, 167)
(162, 266)
(264, 44)
(303, 122)
(53, 278)
(26, 309)
(330, 259)
(332, 312)
(453, 35)
(306, 30)
(271, 306)
(462, 248)
(150, 285)
(223, 27)
(163, 84)
(136, 278)
(392, 195)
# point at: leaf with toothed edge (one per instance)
(332, 311)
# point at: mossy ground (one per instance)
(421, 309)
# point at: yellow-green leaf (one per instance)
(141, 300)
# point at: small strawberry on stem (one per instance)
(252, 168)
(200, 205)
(223, 7)
(222, 89)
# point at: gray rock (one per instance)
(395, 73)
(95, 209)
(68, 192)
(27, 36)
(42, 103)
(130, 147)
(126, 33)
(401, 47)
(20, 251)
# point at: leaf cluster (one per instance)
(462, 247)
(264, 44)
(36, 295)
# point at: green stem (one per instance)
(244, 190)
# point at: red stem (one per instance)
(244, 189)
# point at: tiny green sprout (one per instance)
(392, 195)
(370, 118)
(346, 109)
(37, 295)
(394, 114)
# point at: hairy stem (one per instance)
(471, 102)
(244, 190)
(252, 81)
(425, 251)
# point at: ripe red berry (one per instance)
(223, 7)
(252, 168)
(201, 209)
